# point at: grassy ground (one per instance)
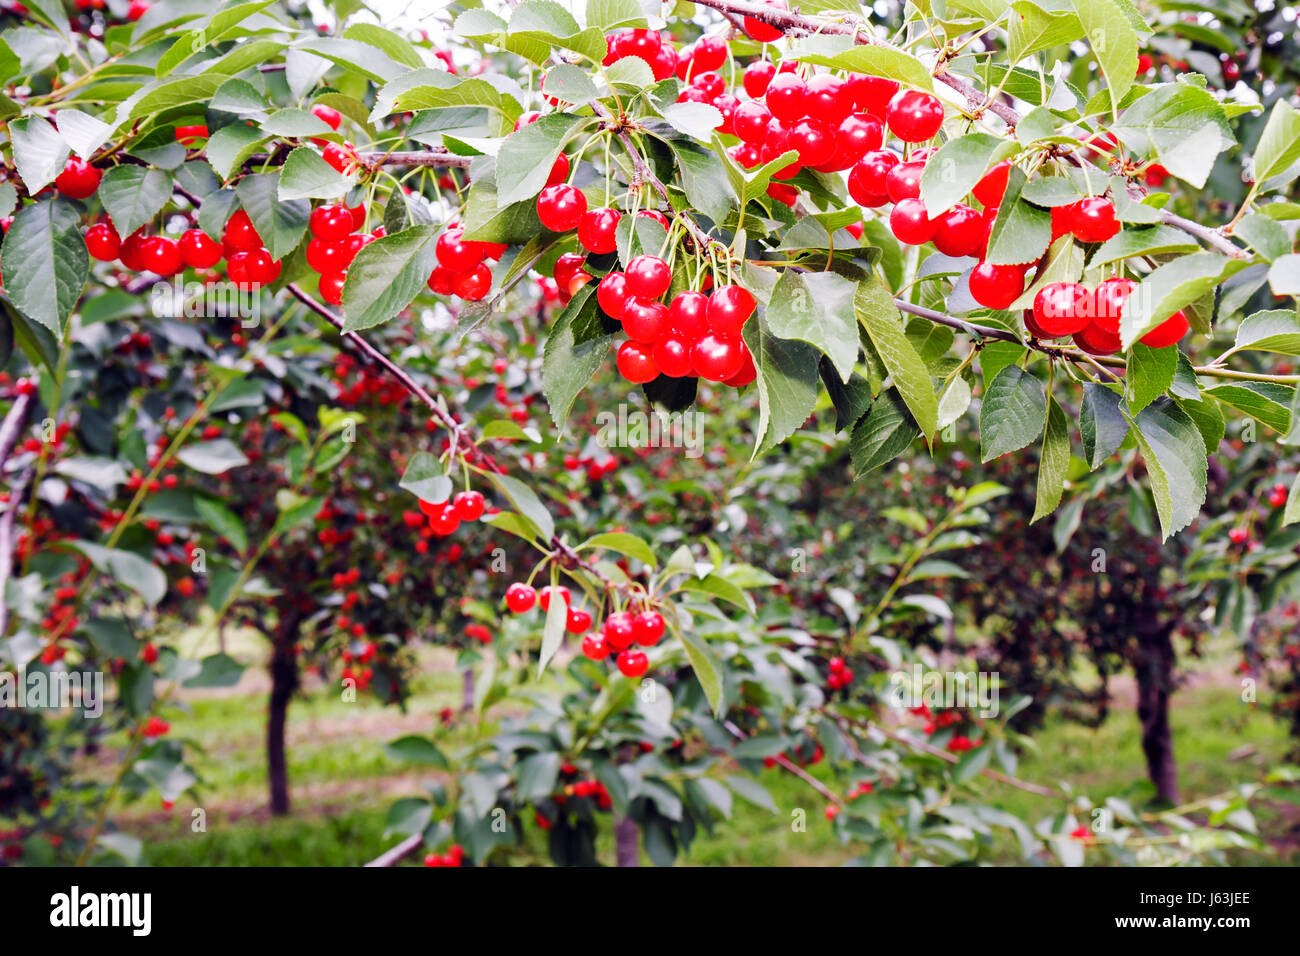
(342, 783)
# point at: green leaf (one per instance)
(527, 155)
(575, 350)
(1031, 29)
(223, 521)
(1053, 462)
(787, 383)
(526, 502)
(882, 435)
(484, 221)
(1284, 275)
(1013, 414)
(1291, 514)
(127, 568)
(39, 152)
(306, 175)
(212, 457)
(545, 23)
(408, 816)
(415, 749)
(1114, 42)
(1102, 425)
(817, 308)
(1279, 144)
(604, 15)
(1021, 232)
(873, 60)
(280, 224)
(387, 275)
(704, 178)
(1149, 241)
(1150, 373)
(706, 670)
(133, 195)
(622, 542)
(217, 670)
(84, 133)
(1176, 463)
(1266, 402)
(957, 166)
(557, 616)
(880, 317)
(1275, 330)
(229, 146)
(45, 263)
(426, 478)
(1171, 286)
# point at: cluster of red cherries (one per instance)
(617, 635)
(1092, 317)
(443, 518)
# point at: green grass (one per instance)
(343, 784)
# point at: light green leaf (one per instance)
(880, 317)
(387, 275)
(1053, 462)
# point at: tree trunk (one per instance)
(625, 842)
(284, 681)
(1155, 677)
(467, 690)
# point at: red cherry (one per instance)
(632, 663)
(578, 621)
(103, 243)
(717, 359)
(730, 306)
(240, 234)
(358, 214)
(454, 252)
(550, 591)
(618, 630)
(996, 287)
(828, 99)
(342, 158)
(854, 137)
(763, 32)
(79, 179)
(1061, 220)
(914, 116)
(1169, 332)
(439, 281)
(469, 505)
(747, 372)
(559, 171)
(750, 122)
(131, 251)
(262, 269)
(520, 597)
(787, 97)
(648, 628)
(612, 294)
(1108, 302)
(645, 322)
(1095, 340)
(636, 362)
(648, 277)
(688, 314)
(560, 207)
(330, 116)
(161, 256)
(910, 223)
(757, 76)
(904, 181)
(814, 143)
(1092, 219)
(665, 62)
(710, 53)
(189, 135)
(473, 285)
(331, 287)
(872, 94)
(331, 222)
(326, 257)
(595, 648)
(959, 232)
(198, 250)
(1063, 308)
(598, 230)
(867, 180)
(990, 189)
(672, 355)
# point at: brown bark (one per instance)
(284, 681)
(1155, 678)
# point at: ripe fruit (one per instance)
(1096, 340)
(102, 242)
(648, 277)
(645, 322)
(560, 207)
(636, 362)
(730, 307)
(331, 117)
(904, 181)
(618, 630)
(469, 505)
(199, 250)
(520, 597)
(648, 628)
(341, 158)
(786, 97)
(240, 235)
(1108, 302)
(79, 179)
(814, 143)
(473, 285)
(553, 591)
(632, 663)
(867, 180)
(750, 122)
(161, 256)
(612, 294)
(672, 354)
(910, 223)
(764, 32)
(1092, 219)
(597, 230)
(331, 287)
(595, 648)
(1168, 332)
(578, 621)
(717, 359)
(757, 77)
(189, 135)
(688, 314)
(1063, 308)
(331, 221)
(914, 116)
(996, 287)
(960, 231)
(130, 251)
(990, 189)
(455, 253)
(328, 256)
(559, 170)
